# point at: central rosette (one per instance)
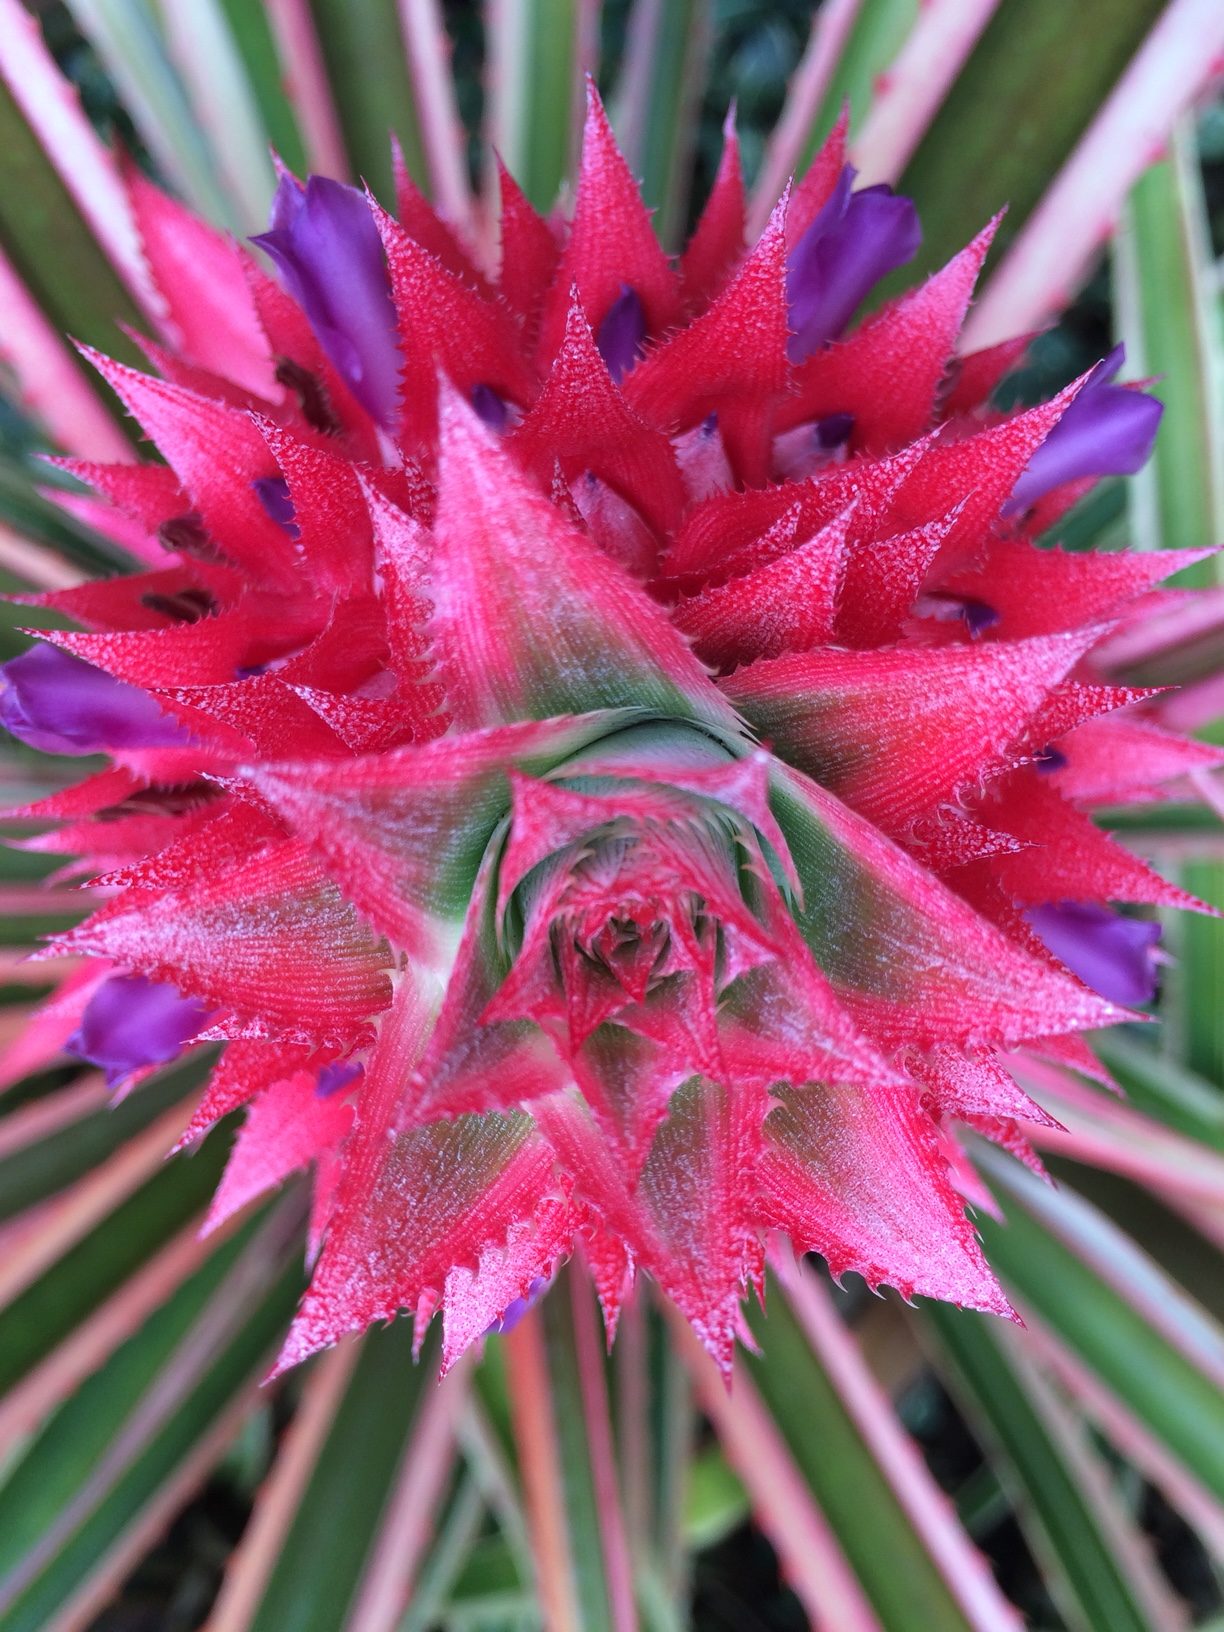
(640, 910)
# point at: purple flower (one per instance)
(491, 407)
(273, 493)
(852, 243)
(1113, 954)
(326, 245)
(1049, 760)
(336, 1076)
(131, 1022)
(1107, 431)
(834, 431)
(516, 1310)
(55, 702)
(622, 333)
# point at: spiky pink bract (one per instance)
(644, 779)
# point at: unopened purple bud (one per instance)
(326, 246)
(978, 617)
(1113, 954)
(1107, 431)
(622, 333)
(53, 701)
(335, 1077)
(273, 493)
(852, 243)
(490, 407)
(833, 431)
(946, 607)
(131, 1022)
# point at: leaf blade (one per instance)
(1091, 1549)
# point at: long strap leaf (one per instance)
(1094, 1553)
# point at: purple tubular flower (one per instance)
(1113, 954)
(131, 1022)
(326, 246)
(622, 333)
(1107, 431)
(53, 701)
(852, 243)
(273, 493)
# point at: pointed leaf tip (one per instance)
(530, 618)
(612, 243)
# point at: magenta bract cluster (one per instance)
(598, 743)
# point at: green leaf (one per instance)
(906, 1587)
(364, 55)
(1098, 522)
(206, 56)
(670, 1435)
(657, 94)
(878, 33)
(1171, 324)
(829, 76)
(128, 1435)
(571, 1410)
(47, 1312)
(457, 1536)
(488, 1574)
(1163, 1088)
(252, 36)
(981, 1502)
(24, 509)
(54, 251)
(1027, 93)
(1094, 1288)
(320, 1565)
(557, 1392)
(126, 36)
(32, 1172)
(1172, 818)
(535, 106)
(1092, 1554)
(716, 1500)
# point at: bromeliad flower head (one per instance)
(605, 754)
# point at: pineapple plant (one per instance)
(595, 756)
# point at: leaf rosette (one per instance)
(599, 746)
